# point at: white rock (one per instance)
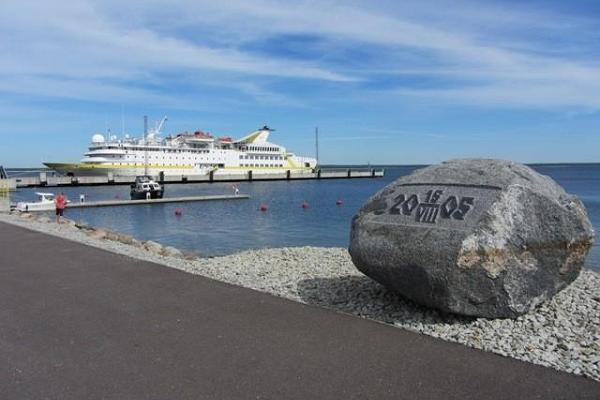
(171, 251)
(153, 246)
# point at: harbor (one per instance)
(313, 200)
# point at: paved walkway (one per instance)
(80, 323)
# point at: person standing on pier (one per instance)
(60, 202)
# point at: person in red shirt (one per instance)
(60, 202)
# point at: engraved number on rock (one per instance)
(466, 203)
(397, 201)
(428, 210)
(409, 205)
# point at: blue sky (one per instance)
(410, 83)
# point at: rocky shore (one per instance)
(563, 333)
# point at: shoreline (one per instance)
(563, 333)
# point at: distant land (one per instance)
(23, 170)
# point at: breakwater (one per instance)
(189, 199)
(48, 180)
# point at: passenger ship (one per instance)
(185, 154)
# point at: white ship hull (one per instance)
(84, 170)
(80, 169)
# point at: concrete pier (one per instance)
(110, 203)
(45, 179)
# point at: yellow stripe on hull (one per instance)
(81, 169)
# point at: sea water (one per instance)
(223, 227)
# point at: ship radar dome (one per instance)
(97, 138)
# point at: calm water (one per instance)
(214, 228)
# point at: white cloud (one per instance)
(484, 54)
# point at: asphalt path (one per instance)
(78, 322)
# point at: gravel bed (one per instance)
(563, 333)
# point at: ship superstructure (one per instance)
(185, 153)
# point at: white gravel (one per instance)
(563, 333)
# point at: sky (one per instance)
(386, 82)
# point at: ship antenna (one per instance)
(122, 120)
(317, 144)
(145, 145)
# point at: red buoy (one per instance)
(178, 212)
(263, 207)
(304, 205)
(339, 202)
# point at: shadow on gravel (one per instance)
(362, 296)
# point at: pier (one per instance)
(116, 202)
(45, 179)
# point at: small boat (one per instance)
(45, 203)
(145, 187)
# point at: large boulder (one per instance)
(485, 238)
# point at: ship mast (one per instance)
(145, 145)
(317, 144)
